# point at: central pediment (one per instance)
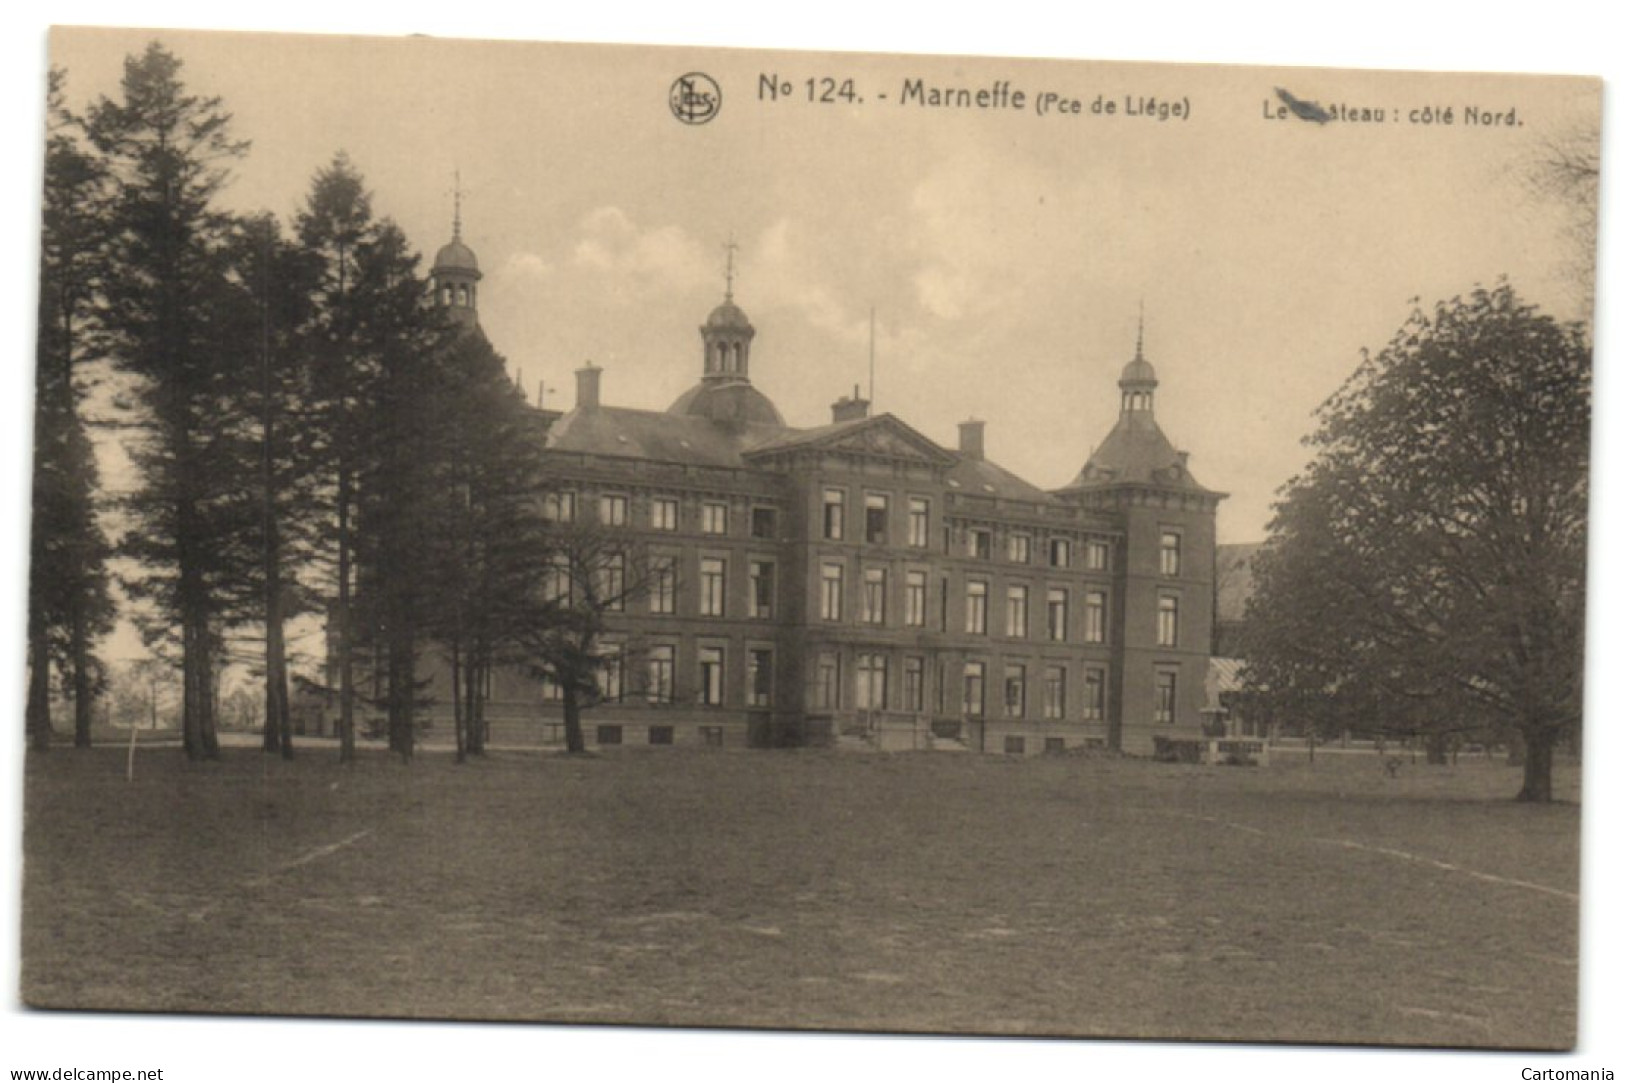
(883, 437)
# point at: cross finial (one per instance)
(456, 204)
(1139, 338)
(731, 248)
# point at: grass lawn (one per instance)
(1060, 896)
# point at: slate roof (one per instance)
(1135, 452)
(655, 435)
(979, 477)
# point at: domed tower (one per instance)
(724, 393)
(1161, 574)
(456, 274)
(1139, 380)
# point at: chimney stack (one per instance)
(850, 409)
(970, 438)
(587, 386)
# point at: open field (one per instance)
(1323, 903)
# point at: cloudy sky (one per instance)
(1005, 254)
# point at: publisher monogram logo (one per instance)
(695, 98)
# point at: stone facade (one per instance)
(858, 583)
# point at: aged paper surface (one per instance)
(999, 272)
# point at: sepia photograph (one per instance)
(673, 539)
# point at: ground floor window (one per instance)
(660, 735)
(914, 684)
(975, 689)
(1054, 746)
(1015, 746)
(711, 676)
(1167, 686)
(662, 665)
(759, 678)
(1054, 692)
(1015, 690)
(711, 736)
(827, 681)
(1094, 694)
(609, 735)
(871, 684)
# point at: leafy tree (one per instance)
(591, 572)
(68, 585)
(1428, 569)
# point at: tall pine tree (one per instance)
(166, 151)
(69, 604)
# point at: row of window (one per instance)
(607, 579)
(872, 688)
(665, 513)
(660, 676)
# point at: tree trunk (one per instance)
(346, 639)
(458, 713)
(83, 700)
(574, 740)
(38, 713)
(1438, 748)
(1537, 764)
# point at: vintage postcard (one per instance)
(690, 537)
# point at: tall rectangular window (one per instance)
(975, 689)
(663, 584)
(1060, 553)
(612, 509)
(1015, 612)
(919, 522)
(559, 507)
(874, 595)
(711, 676)
(759, 678)
(1094, 694)
(1054, 692)
(1094, 617)
(1015, 690)
(979, 543)
(832, 586)
(1167, 695)
(713, 586)
(761, 589)
(1169, 552)
(1055, 608)
(612, 581)
(1167, 621)
(834, 514)
(663, 513)
(827, 681)
(976, 607)
(1019, 548)
(662, 668)
(713, 517)
(876, 510)
(914, 600)
(558, 580)
(611, 672)
(914, 684)
(869, 693)
(762, 522)
(1096, 556)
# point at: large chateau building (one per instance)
(856, 581)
